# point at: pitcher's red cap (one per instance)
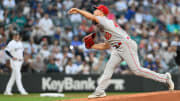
(103, 8)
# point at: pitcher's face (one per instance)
(98, 13)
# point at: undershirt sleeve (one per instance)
(8, 53)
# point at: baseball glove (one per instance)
(89, 40)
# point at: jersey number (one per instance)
(107, 36)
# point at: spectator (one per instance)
(67, 36)
(1, 42)
(57, 35)
(168, 55)
(76, 18)
(92, 60)
(9, 4)
(139, 16)
(44, 52)
(52, 11)
(150, 63)
(39, 10)
(32, 48)
(84, 68)
(148, 17)
(122, 20)
(64, 59)
(1, 15)
(37, 65)
(37, 34)
(59, 4)
(172, 27)
(3, 59)
(78, 60)
(51, 66)
(177, 57)
(121, 5)
(44, 41)
(26, 32)
(9, 32)
(76, 42)
(26, 65)
(136, 37)
(84, 26)
(130, 13)
(56, 53)
(68, 4)
(98, 68)
(55, 46)
(59, 64)
(20, 20)
(71, 68)
(26, 9)
(46, 26)
(80, 51)
(2, 30)
(6, 18)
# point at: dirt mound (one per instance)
(153, 96)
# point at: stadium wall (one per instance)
(55, 82)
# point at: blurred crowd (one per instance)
(53, 39)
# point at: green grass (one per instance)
(36, 97)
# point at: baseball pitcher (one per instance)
(15, 50)
(123, 48)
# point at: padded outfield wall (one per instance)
(56, 82)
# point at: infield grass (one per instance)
(36, 96)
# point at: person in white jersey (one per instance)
(14, 50)
(123, 48)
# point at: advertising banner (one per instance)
(56, 82)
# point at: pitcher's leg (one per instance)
(114, 60)
(131, 57)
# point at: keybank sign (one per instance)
(70, 84)
(67, 84)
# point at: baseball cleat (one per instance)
(170, 82)
(97, 95)
(24, 93)
(8, 93)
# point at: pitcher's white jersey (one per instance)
(111, 31)
(15, 48)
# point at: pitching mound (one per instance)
(153, 96)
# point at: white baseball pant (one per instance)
(15, 76)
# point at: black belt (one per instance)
(120, 43)
(117, 45)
